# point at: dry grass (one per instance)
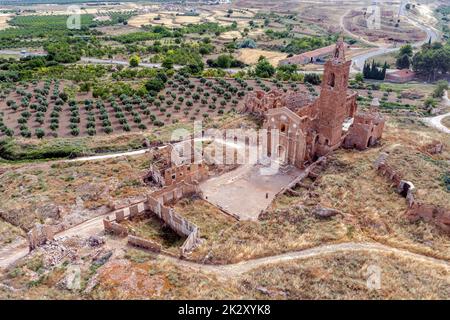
(344, 276)
(153, 229)
(251, 56)
(230, 35)
(372, 210)
(31, 194)
(446, 122)
(228, 240)
(9, 233)
(182, 20)
(4, 21)
(149, 19)
(143, 278)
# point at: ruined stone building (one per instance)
(366, 129)
(168, 168)
(308, 128)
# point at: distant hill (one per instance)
(27, 2)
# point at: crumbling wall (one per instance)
(39, 235)
(434, 147)
(175, 174)
(191, 242)
(365, 131)
(157, 203)
(114, 228)
(437, 215)
(131, 211)
(440, 216)
(186, 172)
(144, 243)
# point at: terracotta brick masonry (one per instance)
(309, 128)
(157, 203)
(437, 215)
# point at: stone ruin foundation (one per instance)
(431, 213)
(157, 203)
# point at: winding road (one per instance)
(358, 61)
(123, 63)
(94, 226)
(19, 249)
(236, 269)
(436, 122)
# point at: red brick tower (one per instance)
(331, 105)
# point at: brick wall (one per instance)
(157, 203)
(144, 243)
(437, 215)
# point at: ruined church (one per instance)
(308, 128)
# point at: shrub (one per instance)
(74, 120)
(108, 130)
(158, 123)
(9, 132)
(40, 120)
(137, 119)
(91, 131)
(26, 114)
(75, 131)
(40, 133)
(24, 132)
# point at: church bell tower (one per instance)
(332, 100)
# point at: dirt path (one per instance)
(359, 60)
(19, 249)
(436, 122)
(14, 252)
(240, 268)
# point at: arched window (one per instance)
(331, 80)
(283, 128)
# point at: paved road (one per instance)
(123, 63)
(22, 54)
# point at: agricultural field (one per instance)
(44, 109)
(90, 118)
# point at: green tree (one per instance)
(40, 133)
(441, 86)
(264, 69)
(407, 49)
(359, 77)
(224, 61)
(167, 63)
(134, 61)
(403, 62)
(432, 60)
(155, 84)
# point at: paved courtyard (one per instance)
(246, 191)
